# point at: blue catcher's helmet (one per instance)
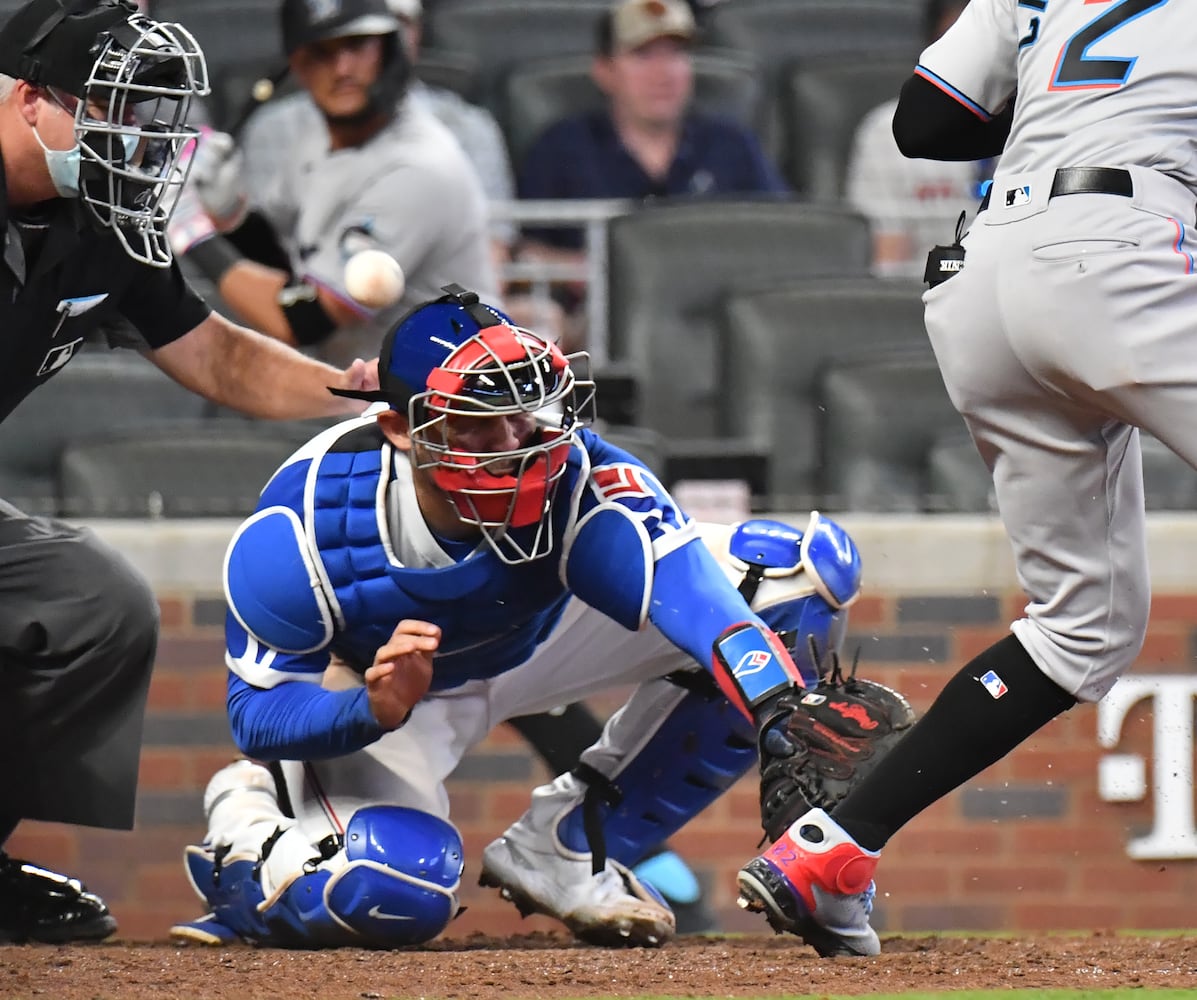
(457, 359)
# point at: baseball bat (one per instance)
(259, 93)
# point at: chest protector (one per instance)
(492, 615)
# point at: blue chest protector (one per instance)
(492, 615)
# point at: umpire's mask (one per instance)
(129, 81)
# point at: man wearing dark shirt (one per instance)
(648, 142)
(93, 104)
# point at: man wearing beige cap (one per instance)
(648, 141)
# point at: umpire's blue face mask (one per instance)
(65, 164)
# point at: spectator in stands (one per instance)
(381, 172)
(912, 204)
(649, 141)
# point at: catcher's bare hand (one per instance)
(401, 672)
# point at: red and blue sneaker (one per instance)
(815, 882)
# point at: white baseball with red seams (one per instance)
(374, 278)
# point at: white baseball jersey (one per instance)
(1110, 82)
(1074, 319)
(410, 191)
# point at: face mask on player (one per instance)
(502, 371)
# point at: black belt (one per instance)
(1084, 180)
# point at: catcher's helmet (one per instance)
(457, 357)
(305, 22)
(134, 78)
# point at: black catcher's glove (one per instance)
(817, 745)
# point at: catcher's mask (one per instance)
(132, 79)
(456, 359)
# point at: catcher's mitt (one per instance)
(817, 745)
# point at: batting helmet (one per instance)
(305, 22)
(133, 79)
(456, 357)
(308, 21)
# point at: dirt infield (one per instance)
(544, 965)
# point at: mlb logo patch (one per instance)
(1018, 196)
(813, 699)
(993, 684)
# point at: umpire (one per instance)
(93, 104)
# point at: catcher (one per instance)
(470, 553)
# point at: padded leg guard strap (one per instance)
(664, 757)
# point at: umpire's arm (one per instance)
(238, 367)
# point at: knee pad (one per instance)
(392, 881)
(401, 880)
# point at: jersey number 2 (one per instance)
(1077, 71)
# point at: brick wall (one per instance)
(1027, 845)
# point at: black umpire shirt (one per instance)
(62, 279)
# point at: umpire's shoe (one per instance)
(41, 905)
(816, 882)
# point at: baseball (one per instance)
(374, 279)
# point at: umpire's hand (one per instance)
(401, 672)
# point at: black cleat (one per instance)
(40, 905)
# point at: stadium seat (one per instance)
(671, 265)
(881, 419)
(543, 91)
(957, 480)
(100, 392)
(645, 444)
(783, 34)
(501, 34)
(777, 342)
(453, 71)
(1169, 483)
(821, 104)
(204, 468)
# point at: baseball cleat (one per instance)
(815, 882)
(612, 909)
(37, 904)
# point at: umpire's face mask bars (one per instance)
(139, 90)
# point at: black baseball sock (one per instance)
(963, 732)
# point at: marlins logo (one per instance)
(322, 10)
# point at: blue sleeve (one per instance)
(299, 721)
(693, 602)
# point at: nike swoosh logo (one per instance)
(377, 914)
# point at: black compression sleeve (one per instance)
(309, 323)
(930, 125)
(257, 240)
(963, 732)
